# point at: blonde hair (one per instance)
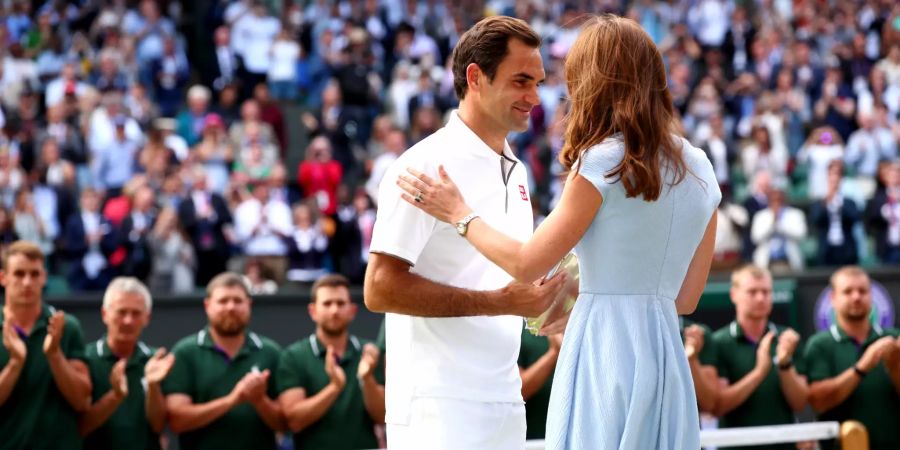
(617, 84)
(847, 271)
(750, 270)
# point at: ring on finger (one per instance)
(418, 197)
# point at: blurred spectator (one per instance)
(307, 247)
(191, 120)
(67, 84)
(88, 242)
(394, 145)
(67, 139)
(732, 221)
(29, 225)
(135, 234)
(170, 74)
(252, 127)
(837, 105)
(285, 53)
(207, 221)
(263, 226)
(320, 176)
(719, 148)
(227, 64)
(835, 218)
(7, 228)
(149, 29)
(270, 113)
(107, 76)
(173, 258)
(214, 152)
(537, 362)
(764, 155)
(113, 165)
(279, 189)
(252, 36)
(823, 146)
(258, 279)
(869, 144)
(777, 231)
(883, 214)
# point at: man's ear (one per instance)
(474, 77)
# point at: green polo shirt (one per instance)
(36, 415)
(767, 405)
(531, 350)
(204, 372)
(347, 424)
(127, 427)
(875, 402)
(708, 354)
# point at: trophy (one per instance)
(564, 303)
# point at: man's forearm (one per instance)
(736, 394)
(535, 375)
(404, 292)
(893, 370)
(707, 391)
(8, 378)
(826, 394)
(270, 412)
(155, 407)
(188, 417)
(794, 387)
(373, 398)
(74, 385)
(98, 413)
(309, 410)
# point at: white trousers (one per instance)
(451, 424)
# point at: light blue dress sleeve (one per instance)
(597, 161)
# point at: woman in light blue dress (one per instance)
(638, 207)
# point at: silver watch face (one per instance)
(461, 228)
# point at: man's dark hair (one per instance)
(486, 44)
(330, 280)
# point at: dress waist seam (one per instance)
(628, 294)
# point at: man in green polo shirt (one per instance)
(326, 406)
(219, 394)
(44, 381)
(854, 366)
(537, 361)
(763, 386)
(701, 355)
(128, 409)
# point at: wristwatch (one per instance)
(786, 365)
(462, 227)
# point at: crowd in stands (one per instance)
(171, 141)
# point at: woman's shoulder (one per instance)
(604, 156)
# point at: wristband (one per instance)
(859, 372)
(786, 365)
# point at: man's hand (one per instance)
(787, 344)
(693, 341)
(874, 354)
(532, 299)
(892, 354)
(256, 385)
(55, 328)
(764, 352)
(368, 362)
(158, 367)
(333, 369)
(14, 344)
(118, 380)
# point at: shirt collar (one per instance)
(875, 331)
(737, 332)
(252, 342)
(141, 351)
(472, 143)
(319, 349)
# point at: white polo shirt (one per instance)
(468, 358)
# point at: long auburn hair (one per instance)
(617, 84)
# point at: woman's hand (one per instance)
(439, 198)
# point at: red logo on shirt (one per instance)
(523, 192)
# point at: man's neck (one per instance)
(857, 329)
(23, 315)
(339, 342)
(121, 348)
(230, 344)
(753, 328)
(493, 136)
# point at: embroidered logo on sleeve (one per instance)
(523, 192)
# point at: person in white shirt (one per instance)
(394, 145)
(283, 71)
(452, 329)
(262, 226)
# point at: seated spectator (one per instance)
(835, 217)
(29, 225)
(263, 227)
(777, 231)
(215, 152)
(307, 246)
(191, 121)
(7, 229)
(762, 154)
(732, 220)
(207, 220)
(135, 232)
(868, 145)
(258, 279)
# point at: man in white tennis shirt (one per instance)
(454, 318)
